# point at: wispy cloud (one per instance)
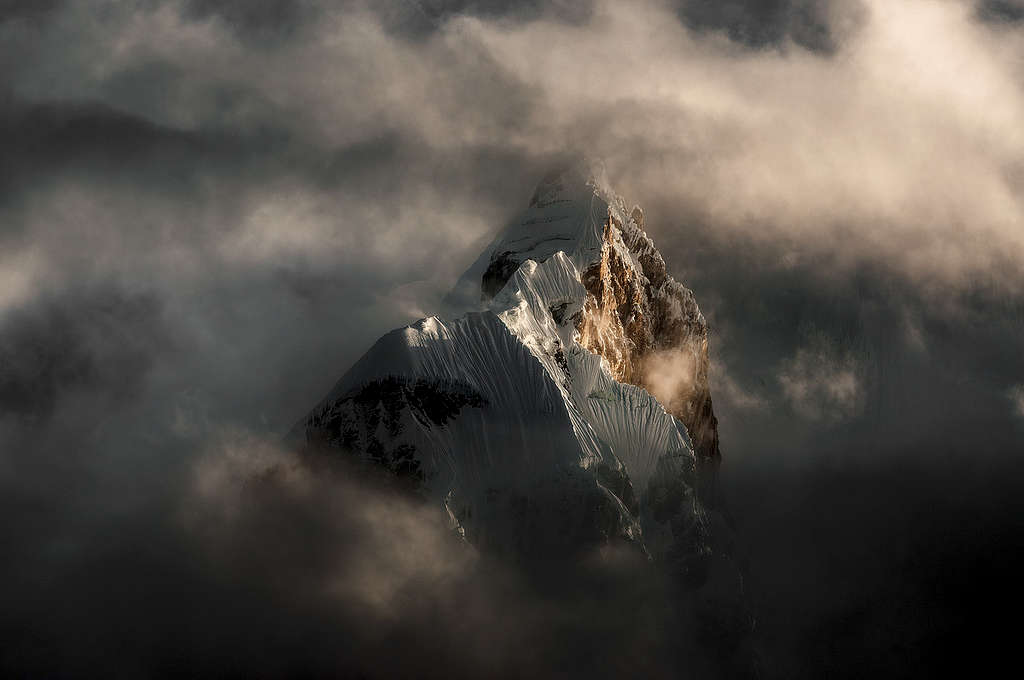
(1016, 396)
(210, 208)
(822, 381)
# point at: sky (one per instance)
(210, 209)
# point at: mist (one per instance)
(210, 209)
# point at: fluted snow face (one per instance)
(526, 419)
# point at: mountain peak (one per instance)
(567, 411)
(569, 406)
(568, 179)
(646, 326)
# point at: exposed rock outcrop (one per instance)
(651, 332)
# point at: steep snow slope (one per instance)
(642, 321)
(526, 418)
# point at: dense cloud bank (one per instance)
(209, 210)
(259, 565)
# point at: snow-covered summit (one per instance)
(568, 407)
(565, 214)
(646, 325)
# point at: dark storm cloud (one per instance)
(561, 10)
(863, 523)
(26, 9)
(208, 210)
(409, 19)
(256, 19)
(254, 563)
(55, 140)
(1001, 11)
(98, 342)
(817, 25)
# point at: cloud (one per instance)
(247, 558)
(668, 373)
(1016, 396)
(257, 20)
(1001, 11)
(26, 9)
(789, 145)
(820, 382)
(209, 210)
(99, 342)
(727, 388)
(376, 544)
(816, 25)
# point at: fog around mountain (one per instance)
(210, 210)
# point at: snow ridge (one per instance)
(526, 419)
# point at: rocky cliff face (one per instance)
(651, 332)
(566, 408)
